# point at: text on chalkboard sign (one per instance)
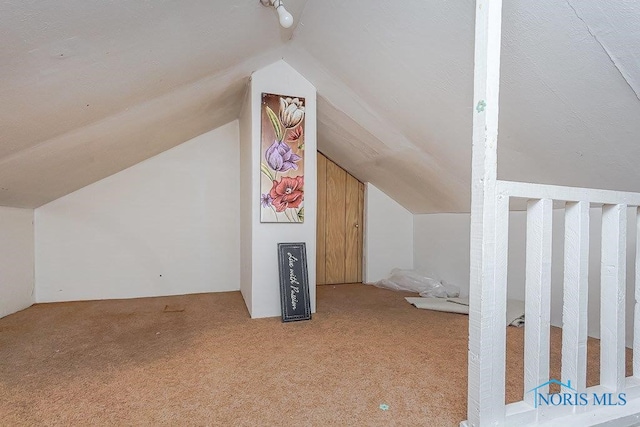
(294, 282)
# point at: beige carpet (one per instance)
(200, 360)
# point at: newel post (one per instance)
(489, 225)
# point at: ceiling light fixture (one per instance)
(286, 19)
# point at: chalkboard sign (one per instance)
(294, 282)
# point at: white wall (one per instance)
(388, 239)
(441, 247)
(16, 260)
(442, 250)
(169, 225)
(246, 200)
(279, 78)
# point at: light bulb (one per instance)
(286, 19)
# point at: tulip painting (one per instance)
(280, 157)
(282, 160)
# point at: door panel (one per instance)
(322, 220)
(360, 230)
(340, 225)
(335, 243)
(352, 230)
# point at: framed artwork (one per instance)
(282, 159)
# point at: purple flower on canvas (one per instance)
(280, 158)
(266, 200)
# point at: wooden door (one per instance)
(340, 215)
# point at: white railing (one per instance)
(578, 201)
(488, 273)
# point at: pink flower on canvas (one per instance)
(295, 134)
(287, 193)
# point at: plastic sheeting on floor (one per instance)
(515, 308)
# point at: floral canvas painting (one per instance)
(282, 159)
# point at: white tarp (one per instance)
(515, 308)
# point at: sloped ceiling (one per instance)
(89, 88)
(568, 116)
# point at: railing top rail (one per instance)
(528, 190)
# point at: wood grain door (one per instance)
(340, 216)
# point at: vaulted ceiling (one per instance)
(89, 88)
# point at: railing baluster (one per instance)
(575, 304)
(501, 283)
(537, 296)
(576, 287)
(612, 296)
(636, 314)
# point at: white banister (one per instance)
(612, 296)
(488, 275)
(576, 288)
(537, 296)
(528, 190)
